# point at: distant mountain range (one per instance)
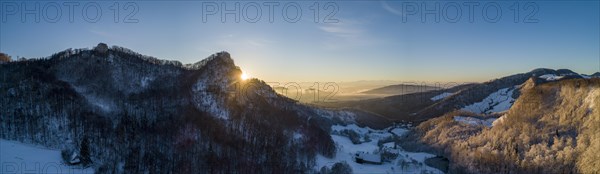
(419, 107)
(401, 89)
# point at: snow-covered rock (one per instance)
(101, 49)
(590, 99)
(74, 158)
(475, 121)
(499, 120)
(215, 82)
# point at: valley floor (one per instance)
(405, 162)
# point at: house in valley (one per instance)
(362, 157)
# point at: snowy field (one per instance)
(399, 131)
(405, 162)
(16, 157)
(498, 101)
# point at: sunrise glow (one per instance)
(244, 76)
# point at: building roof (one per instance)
(369, 157)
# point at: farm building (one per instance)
(362, 157)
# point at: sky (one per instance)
(354, 40)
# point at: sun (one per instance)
(245, 76)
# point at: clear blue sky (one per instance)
(372, 40)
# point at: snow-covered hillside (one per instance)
(441, 96)
(551, 77)
(498, 101)
(401, 162)
(16, 157)
(143, 115)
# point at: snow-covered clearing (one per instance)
(498, 101)
(406, 162)
(441, 96)
(16, 157)
(399, 131)
(551, 77)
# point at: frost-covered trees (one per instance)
(589, 144)
(337, 168)
(341, 168)
(131, 113)
(84, 152)
(552, 128)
